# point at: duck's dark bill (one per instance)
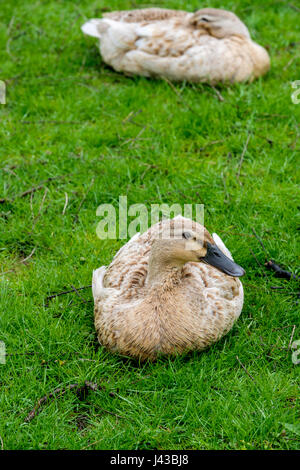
(215, 257)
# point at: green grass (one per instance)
(65, 119)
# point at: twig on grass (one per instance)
(2, 445)
(292, 336)
(58, 392)
(40, 208)
(109, 412)
(11, 172)
(259, 239)
(282, 327)
(242, 158)
(29, 256)
(83, 300)
(7, 47)
(294, 7)
(134, 139)
(270, 142)
(92, 443)
(248, 373)
(9, 28)
(271, 265)
(172, 86)
(130, 116)
(271, 116)
(279, 272)
(179, 95)
(31, 190)
(219, 96)
(290, 62)
(66, 203)
(208, 144)
(31, 206)
(21, 262)
(57, 294)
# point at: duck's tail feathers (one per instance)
(97, 282)
(118, 36)
(94, 27)
(221, 245)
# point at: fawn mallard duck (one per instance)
(167, 294)
(210, 45)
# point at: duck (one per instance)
(210, 45)
(168, 291)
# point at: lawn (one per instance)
(74, 135)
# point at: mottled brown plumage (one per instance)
(157, 297)
(144, 15)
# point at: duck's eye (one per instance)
(204, 19)
(186, 235)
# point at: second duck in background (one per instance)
(210, 45)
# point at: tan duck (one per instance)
(210, 45)
(173, 289)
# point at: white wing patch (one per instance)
(221, 245)
(91, 28)
(97, 283)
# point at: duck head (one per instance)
(219, 23)
(187, 245)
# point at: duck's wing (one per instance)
(188, 58)
(128, 269)
(145, 15)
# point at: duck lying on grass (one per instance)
(170, 290)
(210, 45)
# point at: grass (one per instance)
(64, 128)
